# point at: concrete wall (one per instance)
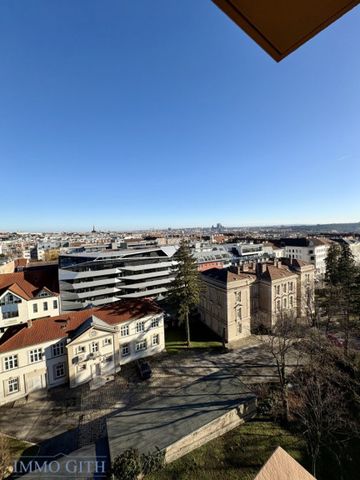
(208, 432)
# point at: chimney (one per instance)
(29, 323)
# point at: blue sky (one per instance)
(131, 114)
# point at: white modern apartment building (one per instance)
(78, 347)
(97, 278)
(21, 301)
(310, 250)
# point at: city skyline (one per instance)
(192, 125)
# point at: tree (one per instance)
(332, 265)
(4, 457)
(184, 292)
(280, 343)
(325, 402)
(342, 293)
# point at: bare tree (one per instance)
(4, 456)
(324, 400)
(281, 344)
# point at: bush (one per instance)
(130, 464)
(127, 465)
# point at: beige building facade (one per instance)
(235, 303)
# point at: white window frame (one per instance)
(35, 308)
(155, 322)
(11, 362)
(55, 304)
(35, 355)
(140, 326)
(141, 346)
(124, 331)
(107, 341)
(45, 306)
(155, 341)
(10, 385)
(125, 350)
(94, 347)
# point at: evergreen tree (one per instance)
(184, 292)
(332, 265)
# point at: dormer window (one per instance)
(43, 293)
(9, 299)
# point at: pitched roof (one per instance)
(223, 275)
(52, 328)
(274, 272)
(17, 283)
(282, 466)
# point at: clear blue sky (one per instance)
(130, 114)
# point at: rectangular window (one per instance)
(284, 288)
(124, 330)
(60, 370)
(156, 340)
(107, 341)
(278, 290)
(11, 362)
(139, 346)
(55, 304)
(58, 349)
(13, 314)
(155, 322)
(94, 347)
(80, 349)
(45, 305)
(35, 355)
(13, 385)
(35, 308)
(125, 350)
(140, 327)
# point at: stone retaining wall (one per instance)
(208, 432)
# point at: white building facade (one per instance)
(78, 347)
(21, 301)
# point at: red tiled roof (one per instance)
(274, 272)
(19, 285)
(20, 262)
(53, 328)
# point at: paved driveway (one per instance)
(65, 418)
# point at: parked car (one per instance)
(144, 369)
(338, 342)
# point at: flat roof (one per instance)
(162, 421)
(282, 26)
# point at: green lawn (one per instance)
(201, 337)
(238, 454)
